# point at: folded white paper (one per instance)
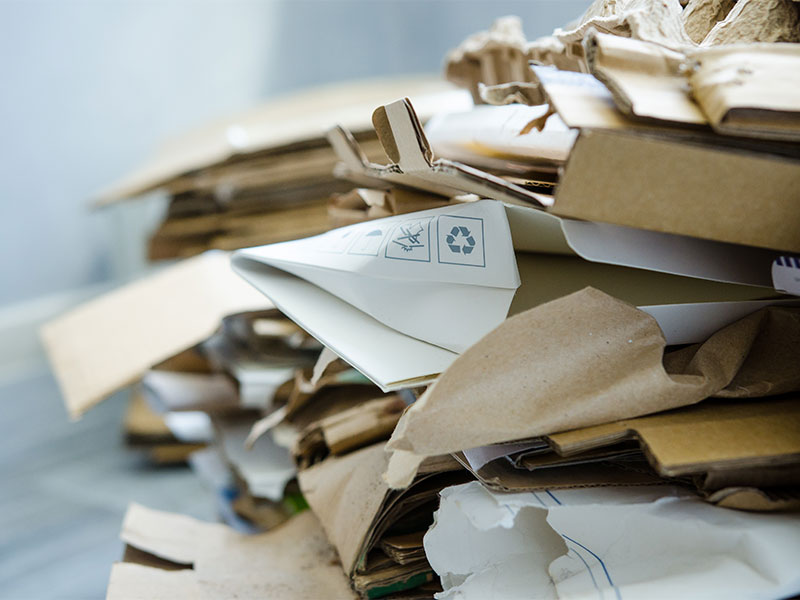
(190, 426)
(608, 543)
(422, 274)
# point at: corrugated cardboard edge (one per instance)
(109, 342)
(414, 166)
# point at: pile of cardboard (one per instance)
(550, 349)
(265, 175)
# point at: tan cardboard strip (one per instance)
(294, 561)
(709, 436)
(587, 359)
(109, 342)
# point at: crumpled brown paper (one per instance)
(587, 359)
(757, 21)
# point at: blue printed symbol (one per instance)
(460, 240)
(410, 238)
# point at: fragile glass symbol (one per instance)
(460, 241)
(410, 238)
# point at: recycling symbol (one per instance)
(460, 240)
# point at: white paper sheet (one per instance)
(190, 426)
(608, 543)
(266, 467)
(478, 457)
(444, 276)
(168, 391)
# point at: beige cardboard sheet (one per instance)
(709, 436)
(294, 561)
(587, 359)
(111, 341)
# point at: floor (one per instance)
(64, 488)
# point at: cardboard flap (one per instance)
(414, 166)
(168, 536)
(347, 494)
(646, 80)
(538, 361)
(709, 436)
(402, 137)
(131, 580)
(111, 341)
(749, 89)
(293, 561)
(334, 322)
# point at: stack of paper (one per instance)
(550, 349)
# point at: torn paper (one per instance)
(567, 544)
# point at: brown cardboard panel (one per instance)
(588, 359)
(750, 90)
(502, 476)
(414, 165)
(292, 561)
(708, 437)
(646, 80)
(109, 342)
(666, 185)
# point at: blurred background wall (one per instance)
(91, 87)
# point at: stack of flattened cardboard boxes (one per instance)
(550, 350)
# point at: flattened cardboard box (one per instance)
(111, 341)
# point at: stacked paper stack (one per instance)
(266, 175)
(552, 352)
